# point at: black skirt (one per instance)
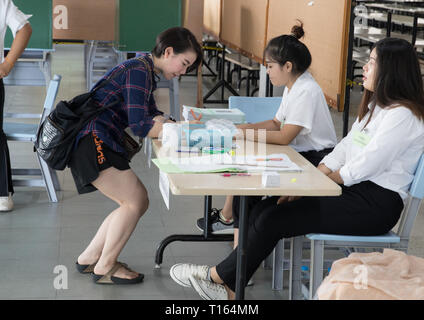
(89, 158)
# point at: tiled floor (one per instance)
(40, 241)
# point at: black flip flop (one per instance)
(85, 268)
(108, 278)
(89, 268)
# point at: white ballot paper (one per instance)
(209, 163)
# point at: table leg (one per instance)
(207, 216)
(241, 251)
(206, 236)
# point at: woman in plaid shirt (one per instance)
(99, 160)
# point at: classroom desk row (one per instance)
(395, 7)
(240, 63)
(33, 68)
(309, 182)
(407, 21)
(372, 34)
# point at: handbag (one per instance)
(56, 135)
(131, 146)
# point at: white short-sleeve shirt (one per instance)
(305, 105)
(385, 152)
(12, 17)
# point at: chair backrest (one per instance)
(256, 109)
(416, 194)
(50, 96)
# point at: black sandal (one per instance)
(108, 278)
(85, 268)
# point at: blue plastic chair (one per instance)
(395, 240)
(27, 132)
(256, 109)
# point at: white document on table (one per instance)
(275, 161)
(164, 187)
(206, 163)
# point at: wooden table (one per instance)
(309, 182)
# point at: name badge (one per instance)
(282, 123)
(361, 139)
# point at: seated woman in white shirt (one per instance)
(374, 164)
(303, 120)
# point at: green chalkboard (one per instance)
(140, 21)
(41, 23)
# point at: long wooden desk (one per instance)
(309, 182)
(396, 19)
(394, 7)
(372, 34)
(241, 63)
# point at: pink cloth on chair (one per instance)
(391, 275)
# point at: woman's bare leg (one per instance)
(227, 210)
(236, 235)
(126, 189)
(216, 278)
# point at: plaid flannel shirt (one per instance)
(134, 88)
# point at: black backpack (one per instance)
(56, 135)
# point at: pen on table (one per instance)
(188, 150)
(270, 159)
(242, 174)
(213, 150)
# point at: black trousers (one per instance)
(362, 209)
(6, 185)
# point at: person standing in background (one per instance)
(12, 17)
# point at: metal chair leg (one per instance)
(295, 280)
(278, 264)
(317, 266)
(48, 179)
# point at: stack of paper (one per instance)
(226, 163)
(203, 114)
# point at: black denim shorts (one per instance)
(89, 158)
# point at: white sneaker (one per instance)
(6, 203)
(181, 271)
(208, 290)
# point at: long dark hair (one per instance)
(288, 48)
(181, 40)
(398, 80)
